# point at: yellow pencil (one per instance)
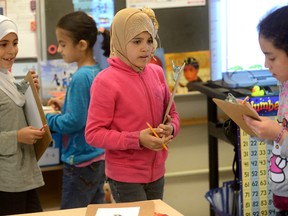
(154, 132)
(61, 97)
(244, 101)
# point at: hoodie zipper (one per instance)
(150, 105)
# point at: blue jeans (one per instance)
(130, 192)
(82, 186)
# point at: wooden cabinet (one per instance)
(50, 193)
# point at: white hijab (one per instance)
(7, 81)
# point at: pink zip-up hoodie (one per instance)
(122, 101)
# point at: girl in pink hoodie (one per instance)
(124, 97)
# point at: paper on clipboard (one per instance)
(179, 73)
(35, 116)
(236, 110)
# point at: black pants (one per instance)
(19, 202)
(130, 192)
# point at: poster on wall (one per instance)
(164, 3)
(101, 10)
(26, 25)
(255, 158)
(197, 69)
(55, 77)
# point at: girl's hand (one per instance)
(267, 128)
(29, 135)
(167, 128)
(56, 103)
(148, 140)
(36, 80)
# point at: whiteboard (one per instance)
(21, 12)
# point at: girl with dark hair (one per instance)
(273, 40)
(83, 176)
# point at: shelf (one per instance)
(51, 168)
(216, 130)
(193, 121)
(188, 94)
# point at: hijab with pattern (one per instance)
(7, 80)
(128, 23)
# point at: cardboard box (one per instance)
(52, 154)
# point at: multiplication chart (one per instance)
(254, 158)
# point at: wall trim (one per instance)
(195, 172)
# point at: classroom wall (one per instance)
(53, 11)
(181, 29)
(188, 32)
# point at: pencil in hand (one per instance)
(244, 101)
(155, 134)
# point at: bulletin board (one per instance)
(254, 161)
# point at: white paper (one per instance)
(125, 211)
(31, 110)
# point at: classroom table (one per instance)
(160, 207)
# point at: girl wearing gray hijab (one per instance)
(20, 174)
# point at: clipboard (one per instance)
(147, 208)
(35, 116)
(236, 110)
(179, 73)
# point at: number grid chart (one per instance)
(254, 159)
